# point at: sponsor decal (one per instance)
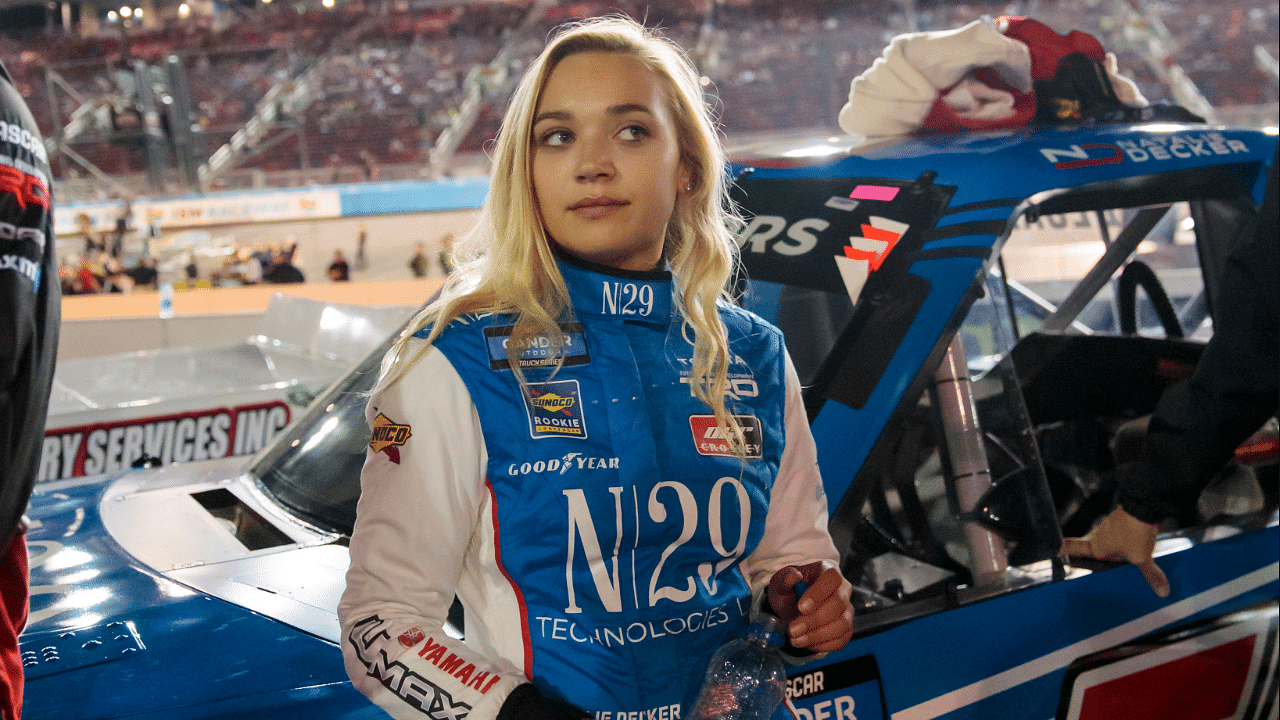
(617, 636)
(165, 439)
(16, 134)
(538, 351)
(555, 409)
(711, 439)
(388, 437)
(9, 231)
(664, 712)
(1145, 148)
(438, 655)
(411, 637)
(846, 690)
(570, 461)
(740, 382)
(418, 692)
(883, 193)
(26, 188)
(1224, 661)
(1085, 155)
(22, 266)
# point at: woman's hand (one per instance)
(821, 620)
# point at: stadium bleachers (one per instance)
(392, 76)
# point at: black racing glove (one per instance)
(527, 702)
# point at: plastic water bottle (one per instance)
(745, 680)
(166, 300)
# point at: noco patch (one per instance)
(555, 409)
(710, 439)
(539, 351)
(388, 437)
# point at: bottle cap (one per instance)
(769, 626)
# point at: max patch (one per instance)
(710, 439)
(538, 351)
(555, 409)
(388, 437)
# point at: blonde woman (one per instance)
(605, 461)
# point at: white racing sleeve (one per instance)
(795, 531)
(421, 523)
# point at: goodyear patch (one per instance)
(539, 351)
(555, 409)
(388, 436)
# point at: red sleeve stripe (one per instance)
(524, 611)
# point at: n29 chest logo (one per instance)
(717, 524)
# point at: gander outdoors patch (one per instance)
(555, 409)
(538, 351)
(388, 437)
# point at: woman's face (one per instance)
(606, 160)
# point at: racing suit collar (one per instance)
(602, 291)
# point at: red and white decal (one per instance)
(1209, 676)
(710, 439)
(182, 437)
(411, 637)
(864, 254)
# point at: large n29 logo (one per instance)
(665, 500)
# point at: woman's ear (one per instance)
(684, 180)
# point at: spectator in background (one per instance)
(84, 226)
(114, 277)
(262, 254)
(70, 277)
(445, 256)
(122, 228)
(282, 270)
(369, 165)
(418, 263)
(362, 237)
(30, 313)
(144, 273)
(339, 271)
(153, 230)
(88, 279)
(250, 268)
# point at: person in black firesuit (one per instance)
(1199, 422)
(30, 307)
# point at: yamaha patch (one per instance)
(555, 409)
(388, 437)
(412, 637)
(539, 352)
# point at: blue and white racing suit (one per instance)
(598, 531)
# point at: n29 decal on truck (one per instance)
(183, 437)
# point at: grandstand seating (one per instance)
(384, 98)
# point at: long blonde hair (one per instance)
(506, 265)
